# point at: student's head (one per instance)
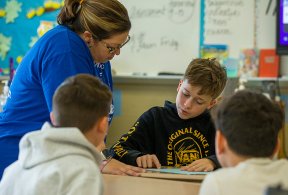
(103, 24)
(204, 80)
(83, 101)
(247, 126)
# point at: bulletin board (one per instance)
(19, 22)
(165, 36)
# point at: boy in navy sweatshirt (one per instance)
(179, 134)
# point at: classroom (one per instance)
(249, 38)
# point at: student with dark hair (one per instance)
(179, 134)
(90, 33)
(63, 159)
(247, 143)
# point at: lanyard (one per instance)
(101, 74)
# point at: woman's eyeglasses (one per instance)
(113, 49)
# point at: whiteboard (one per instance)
(266, 23)
(167, 34)
(164, 36)
(229, 22)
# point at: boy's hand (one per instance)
(116, 167)
(148, 161)
(203, 164)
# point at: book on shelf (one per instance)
(268, 63)
(220, 52)
(232, 67)
(248, 63)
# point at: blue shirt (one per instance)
(59, 54)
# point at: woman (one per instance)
(89, 34)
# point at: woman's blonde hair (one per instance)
(102, 18)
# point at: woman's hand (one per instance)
(116, 167)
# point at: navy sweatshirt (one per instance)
(175, 142)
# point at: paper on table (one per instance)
(176, 171)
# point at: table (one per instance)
(128, 185)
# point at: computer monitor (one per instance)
(282, 27)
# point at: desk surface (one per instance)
(128, 185)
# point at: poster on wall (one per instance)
(22, 23)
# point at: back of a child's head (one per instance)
(80, 101)
(207, 74)
(250, 122)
